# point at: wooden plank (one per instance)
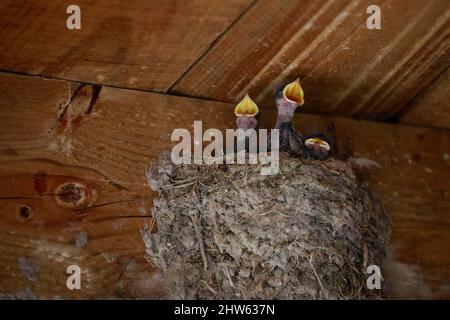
(45, 228)
(345, 68)
(56, 212)
(105, 143)
(431, 107)
(133, 44)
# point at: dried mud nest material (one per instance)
(228, 232)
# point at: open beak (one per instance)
(317, 142)
(246, 108)
(293, 92)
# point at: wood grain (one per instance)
(133, 44)
(50, 202)
(80, 168)
(345, 68)
(431, 107)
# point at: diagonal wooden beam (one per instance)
(346, 69)
(139, 44)
(430, 107)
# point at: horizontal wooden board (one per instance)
(73, 162)
(133, 44)
(432, 106)
(346, 69)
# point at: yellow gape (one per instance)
(318, 142)
(246, 108)
(293, 92)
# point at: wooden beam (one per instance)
(431, 107)
(346, 69)
(73, 187)
(133, 44)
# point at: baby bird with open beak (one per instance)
(246, 111)
(317, 147)
(288, 98)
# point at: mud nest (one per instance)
(228, 232)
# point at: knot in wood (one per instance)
(71, 194)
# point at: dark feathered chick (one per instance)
(317, 147)
(287, 99)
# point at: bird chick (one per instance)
(246, 111)
(317, 147)
(287, 100)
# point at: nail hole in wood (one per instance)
(25, 212)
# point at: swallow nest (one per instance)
(228, 232)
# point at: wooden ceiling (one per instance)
(220, 50)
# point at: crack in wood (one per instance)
(85, 209)
(211, 46)
(95, 95)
